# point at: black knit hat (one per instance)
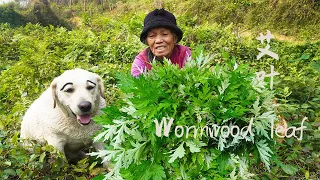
(160, 18)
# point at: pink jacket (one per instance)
(141, 63)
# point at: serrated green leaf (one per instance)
(264, 152)
(110, 131)
(224, 86)
(100, 136)
(157, 172)
(256, 108)
(223, 160)
(222, 142)
(193, 147)
(178, 153)
(135, 153)
(147, 170)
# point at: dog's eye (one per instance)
(69, 90)
(90, 87)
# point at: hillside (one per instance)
(291, 20)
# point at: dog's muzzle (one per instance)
(85, 108)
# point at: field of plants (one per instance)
(218, 86)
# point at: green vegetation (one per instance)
(33, 52)
(199, 95)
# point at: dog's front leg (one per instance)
(98, 146)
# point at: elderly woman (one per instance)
(161, 34)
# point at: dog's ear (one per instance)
(54, 92)
(101, 87)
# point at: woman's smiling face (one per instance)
(161, 42)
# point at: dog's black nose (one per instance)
(85, 106)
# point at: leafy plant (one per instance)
(198, 95)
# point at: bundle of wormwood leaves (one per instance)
(197, 95)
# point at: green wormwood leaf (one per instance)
(178, 153)
(224, 86)
(198, 95)
(264, 152)
(135, 153)
(147, 170)
(155, 171)
(195, 147)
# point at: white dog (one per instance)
(62, 114)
